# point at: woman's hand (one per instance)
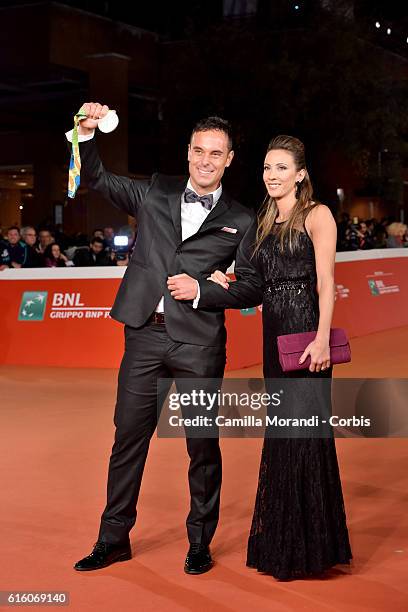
(220, 278)
(319, 355)
(63, 257)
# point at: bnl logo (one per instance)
(32, 307)
(373, 287)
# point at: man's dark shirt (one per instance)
(33, 259)
(85, 257)
(10, 253)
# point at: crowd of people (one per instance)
(354, 234)
(50, 248)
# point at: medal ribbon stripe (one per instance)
(74, 173)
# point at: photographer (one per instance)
(94, 255)
(360, 238)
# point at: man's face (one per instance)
(108, 233)
(13, 236)
(45, 238)
(208, 156)
(96, 247)
(30, 236)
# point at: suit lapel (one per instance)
(222, 206)
(175, 206)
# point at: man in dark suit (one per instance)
(186, 230)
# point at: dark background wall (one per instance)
(322, 72)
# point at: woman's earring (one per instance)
(298, 189)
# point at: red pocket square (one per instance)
(230, 230)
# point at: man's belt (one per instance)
(156, 318)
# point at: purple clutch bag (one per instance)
(291, 347)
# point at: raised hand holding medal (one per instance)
(89, 116)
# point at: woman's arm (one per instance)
(247, 290)
(323, 231)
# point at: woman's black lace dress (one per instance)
(299, 523)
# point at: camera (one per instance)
(121, 247)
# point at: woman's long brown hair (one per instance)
(269, 210)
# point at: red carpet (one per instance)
(56, 436)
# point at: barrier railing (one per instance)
(60, 316)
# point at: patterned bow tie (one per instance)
(205, 200)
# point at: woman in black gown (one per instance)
(299, 522)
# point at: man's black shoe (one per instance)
(198, 559)
(104, 554)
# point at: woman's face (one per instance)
(55, 250)
(280, 174)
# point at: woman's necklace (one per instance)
(278, 220)
(281, 219)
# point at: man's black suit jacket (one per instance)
(160, 251)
